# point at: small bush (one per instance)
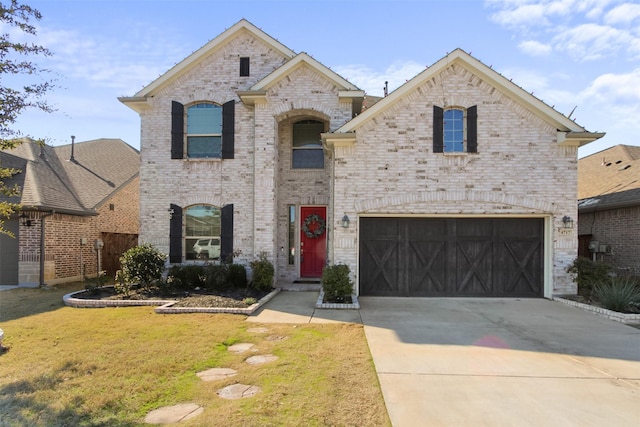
(216, 277)
(121, 286)
(237, 276)
(588, 273)
(336, 282)
(142, 264)
(617, 294)
(263, 273)
(94, 283)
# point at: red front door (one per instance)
(313, 240)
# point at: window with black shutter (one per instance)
(455, 130)
(210, 130)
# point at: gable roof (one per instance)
(136, 102)
(613, 170)
(51, 180)
(620, 199)
(508, 88)
(299, 60)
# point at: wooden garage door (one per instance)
(488, 257)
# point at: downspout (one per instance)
(42, 251)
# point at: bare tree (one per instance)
(21, 86)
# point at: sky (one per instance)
(580, 56)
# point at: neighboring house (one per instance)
(72, 197)
(609, 207)
(455, 184)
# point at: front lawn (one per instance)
(110, 367)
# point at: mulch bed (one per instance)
(196, 298)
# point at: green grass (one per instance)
(109, 367)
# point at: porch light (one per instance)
(567, 222)
(345, 221)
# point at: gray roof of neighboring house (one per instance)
(620, 199)
(50, 180)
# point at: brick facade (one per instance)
(67, 257)
(520, 169)
(620, 230)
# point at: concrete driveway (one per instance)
(496, 362)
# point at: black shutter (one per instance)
(472, 129)
(177, 130)
(438, 129)
(228, 129)
(175, 234)
(244, 67)
(226, 234)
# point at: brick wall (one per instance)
(519, 168)
(65, 257)
(619, 229)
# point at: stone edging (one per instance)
(354, 306)
(613, 315)
(165, 306)
(168, 309)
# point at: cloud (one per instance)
(615, 88)
(592, 41)
(623, 14)
(535, 48)
(372, 81)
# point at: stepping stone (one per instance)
(241, 347)
(215, 374)
(260, 359)
(276, 338)
(173, 414)
(258, 330)
(238, 391)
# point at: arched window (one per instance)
(307, 152)
(453, 131)
(204, 131)
(202, 232)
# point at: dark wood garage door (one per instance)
(490, 257)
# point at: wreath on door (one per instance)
(313, 226)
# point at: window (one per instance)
(210, 130)
(244, 67)
(307, 152)
(455, 130)
(204, 131)
(202, 232)
(292, 234)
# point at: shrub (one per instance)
(142, 264)
(263, 273)
(186, 277)
(237, 276)
(121, 286)
(336, 282)
(94, 283)
(216, 277)
(618, 293)
(588, 273)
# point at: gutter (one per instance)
(42, 251)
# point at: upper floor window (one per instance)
(202, 232)
(204, 130)
(210, 130)
(307, 152)
(455, 130)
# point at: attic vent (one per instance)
(608, 164)
(244, 66)
(624, 167)
(618, 162)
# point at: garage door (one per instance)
(463, 257)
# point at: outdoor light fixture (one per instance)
(26, 221)
(567, 222)
(345, 221)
